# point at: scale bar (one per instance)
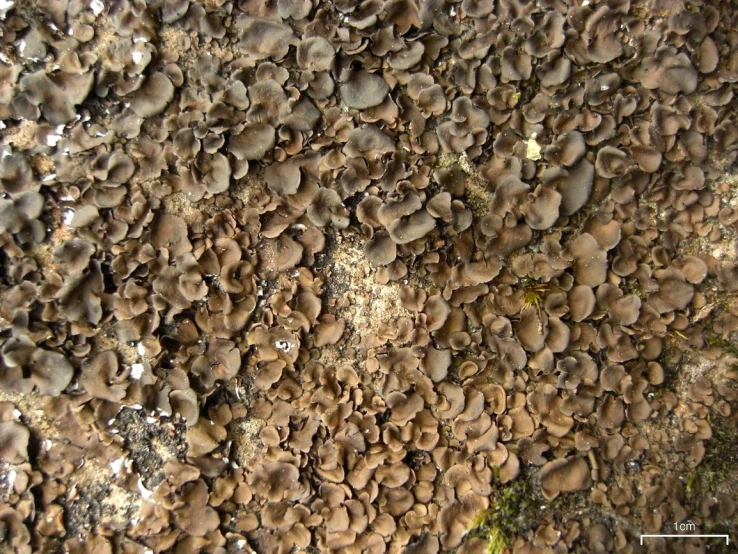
(726, 537)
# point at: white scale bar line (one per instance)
(726, 537)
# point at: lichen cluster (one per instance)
(387, 276)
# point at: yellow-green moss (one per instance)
(511, 511)
(532, 296)
(729, 347)
(496, 542)
(719, 466)
(518, 507)
(717, 473)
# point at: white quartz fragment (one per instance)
(67, 216)
(116, 466)
(5, 6)
(137, 370)
(533, 150)
(282, 345)
(145, 493)
(52, 139)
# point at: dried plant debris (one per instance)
(393, 276)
